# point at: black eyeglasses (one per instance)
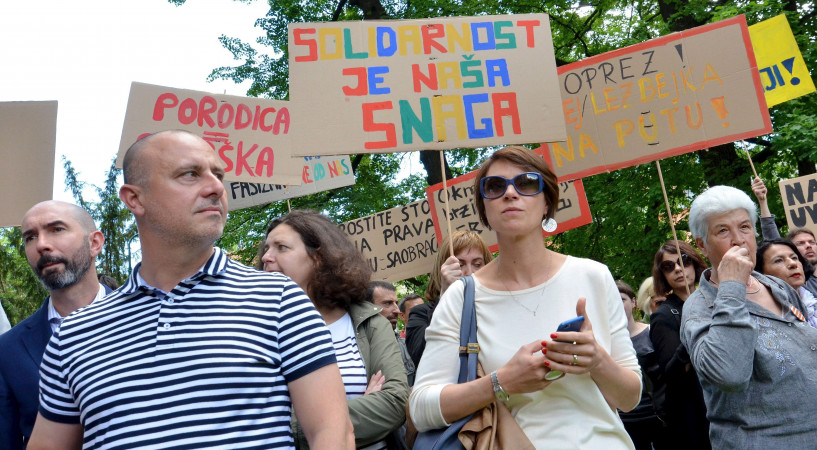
(528, 183)
(669, 266)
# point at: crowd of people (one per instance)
(198, 351)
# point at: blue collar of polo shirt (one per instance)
(216, 265)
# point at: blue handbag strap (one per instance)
(469, 348)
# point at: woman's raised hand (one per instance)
(449, 273)
(574, 352)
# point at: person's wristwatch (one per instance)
(499, 393)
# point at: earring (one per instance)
(549, 225)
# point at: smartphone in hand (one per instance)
(574, 324)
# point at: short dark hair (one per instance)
(625, 289)
(406, 299)
(662, 286)
(527, 160)
(378, 284)
(766, 244)
(341, 276)
(794, 232)
(108, 280)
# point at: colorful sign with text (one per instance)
(28, 134)
(676, 94)
(781, 65)
(800, 202)
(394, 86)
(251, 135)
(398, 243)
(572, 211)
(320, 173)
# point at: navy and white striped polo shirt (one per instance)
(204, 366)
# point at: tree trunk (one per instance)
(431, 161)
(805, 167)
(372, 9)
(722, 165)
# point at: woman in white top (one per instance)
(521, 297)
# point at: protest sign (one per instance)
(572, 211)
(800, 201)
(676, 94)
(394, 86)
(782, 69)
(251, 135)
(28, 134)
(320, 173)
(398, 243)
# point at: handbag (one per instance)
(447, 438)
(493, 428)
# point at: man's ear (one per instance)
(96, 240)
(131, 196)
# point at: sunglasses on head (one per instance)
(669, 266)
(528, 183)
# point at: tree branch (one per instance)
(336, 14)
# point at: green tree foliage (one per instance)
(20, 290)
(629, 217)
(113, 219)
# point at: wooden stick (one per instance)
(446, 207)
(746, 149)
(672, 225)
(289, 206)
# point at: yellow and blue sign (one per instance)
(782, 69)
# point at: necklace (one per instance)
(532, 311)
(752, 280)
(513, 297)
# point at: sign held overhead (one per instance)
(250, 135)
(394, 86)
(676, 94)
(28, 134)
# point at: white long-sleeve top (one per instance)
(569, 413)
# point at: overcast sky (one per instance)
(86, 53)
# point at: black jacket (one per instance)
(419, 320)
(683, 408)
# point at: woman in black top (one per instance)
(683, 407)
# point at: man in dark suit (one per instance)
(61, 243)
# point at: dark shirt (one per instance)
(646, 359)
(419, 320)
(683, 407)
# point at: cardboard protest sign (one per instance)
(28, 134)
(398, 243)
(251, 135)
(679, 93)
(320, 173)
(800, 201)
(779, 61)
(572, 211)
(394, 86)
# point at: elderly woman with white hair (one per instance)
(755, 354)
